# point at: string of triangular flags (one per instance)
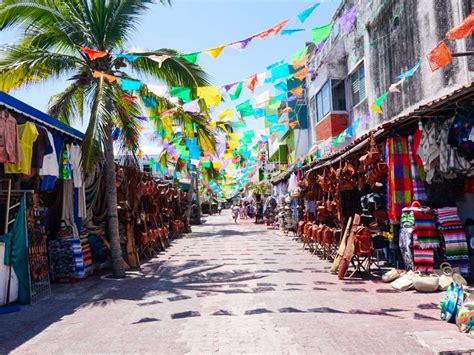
(437, 58)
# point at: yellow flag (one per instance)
(233, 145)
(234, 136)
(216, 164)
(226, 114)
(376, 109)
(214, 52)
(213, 124)
(108, 77)
(210, 94)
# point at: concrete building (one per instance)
(388, 38)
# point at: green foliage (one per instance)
(53, 32)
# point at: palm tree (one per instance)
(53, 32)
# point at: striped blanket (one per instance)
(423, 260)
(399, 180)
(452, 231)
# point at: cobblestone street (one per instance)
(231, 288)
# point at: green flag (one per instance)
(191, 57)
(381, 99)
(238, 90)
(300, 54)
(181, 92)
(245, 109)
(321, 33)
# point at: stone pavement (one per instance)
(231, 288)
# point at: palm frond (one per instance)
(24, 64)
(68, 106)
(174, 71)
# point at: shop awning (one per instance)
(433, 108)
(36, 115)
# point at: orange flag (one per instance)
(251, 82)
(464, 29)
(297, 91)
(294, 124)
(286, 110)
(93, 54)
(439, 56)
(300, 62)
(273, 31)
(303, 73)
(108, 77)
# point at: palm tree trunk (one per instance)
(112, 212)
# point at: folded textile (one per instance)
(423, 260)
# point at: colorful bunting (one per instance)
(192, 106)
(210, 94)
(149, 102)
(464, 29)
(410, 72)
(131, 85)
(215, 52)
(286, 110)
(93, 54)
(394, 87)
(262, 98)
(241, 44)
(160, 59)
(281, 71)
(251, 82)
(298, 91)
(380, 100)
(191, 57)
(282, 86)
(321, 33)
(301, 74)
(376, 109)
(439, 56)
(158, 90)
(229, 113)
(129, 57)
(300, 63)
(245, 109)
(273, 30)
(108, 77)
(290, 32)
(299, 54)
(236, 92)
(303, 15)
(348, 19)
(181, 92)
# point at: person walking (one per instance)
(235, 212)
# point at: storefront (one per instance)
(407, 185)
(53, 216)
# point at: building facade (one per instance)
(388, 38)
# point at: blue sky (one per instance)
(194, 25)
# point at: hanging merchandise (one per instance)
(16, 252)
(439, 57)
(452, 231)
(399, 180)
(10, 150)
(28, 134)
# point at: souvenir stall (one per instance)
(41, 199)
(400, 195)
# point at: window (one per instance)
(358, 85)
(323, 102)
(338, 95)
